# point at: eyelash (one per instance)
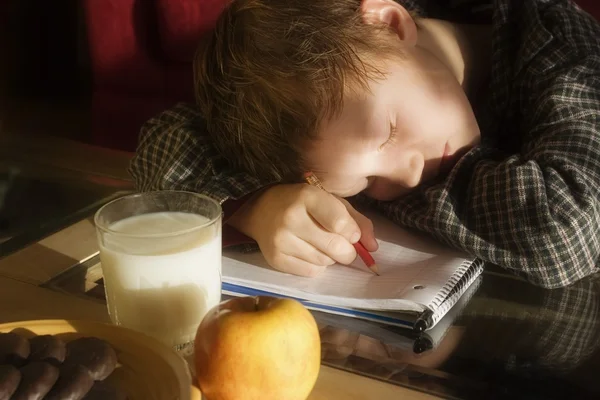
(390, 140)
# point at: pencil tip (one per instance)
(375, 269)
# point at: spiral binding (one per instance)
(456, 286)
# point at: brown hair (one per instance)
(272, 70)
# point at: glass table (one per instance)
(510, 340)
(34, 204)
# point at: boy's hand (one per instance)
(301, 229)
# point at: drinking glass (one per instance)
(161, 262)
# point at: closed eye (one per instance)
(391, 138)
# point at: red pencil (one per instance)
(366, 257)
(362, 252)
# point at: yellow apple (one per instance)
(261, 347)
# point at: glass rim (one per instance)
(106, 229)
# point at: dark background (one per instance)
(45, 78)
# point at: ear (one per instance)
(393, 14)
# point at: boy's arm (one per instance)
(175, 153)
(538, 211)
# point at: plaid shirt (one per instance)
(527, 198)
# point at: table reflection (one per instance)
(512, 340)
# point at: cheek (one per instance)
(337, 157)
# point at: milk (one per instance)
(163, 283)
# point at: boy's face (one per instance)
(410, 127)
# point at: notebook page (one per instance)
(405, 262)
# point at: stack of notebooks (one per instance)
(420, 281)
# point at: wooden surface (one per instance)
(337, 384)
(66, 154)
(20, 301)
(42, 261)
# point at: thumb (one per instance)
(367, 232)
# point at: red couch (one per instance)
(141, 54)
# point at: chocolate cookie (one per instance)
(37, 378)
(47, 348)
(14, 349)
(104, 391)
(73, 384)
(9, 381)
(95, 354)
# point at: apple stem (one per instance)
(256, 303)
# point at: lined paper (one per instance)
(406, 262)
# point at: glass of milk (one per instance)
(161, 262)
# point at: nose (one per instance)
(408, 172)
(400, 177)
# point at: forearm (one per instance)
(540, 219)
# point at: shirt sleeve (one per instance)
(175, 153)
(536, 212)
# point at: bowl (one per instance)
(146, 370)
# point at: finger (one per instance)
(307, 252)
(331, 244)
(296, 266)
(333, 216)
(367, 232)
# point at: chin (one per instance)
(388, 196)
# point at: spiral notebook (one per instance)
(404, 339)
(420, 280)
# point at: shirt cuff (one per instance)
(230, 206)
(231, 236)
